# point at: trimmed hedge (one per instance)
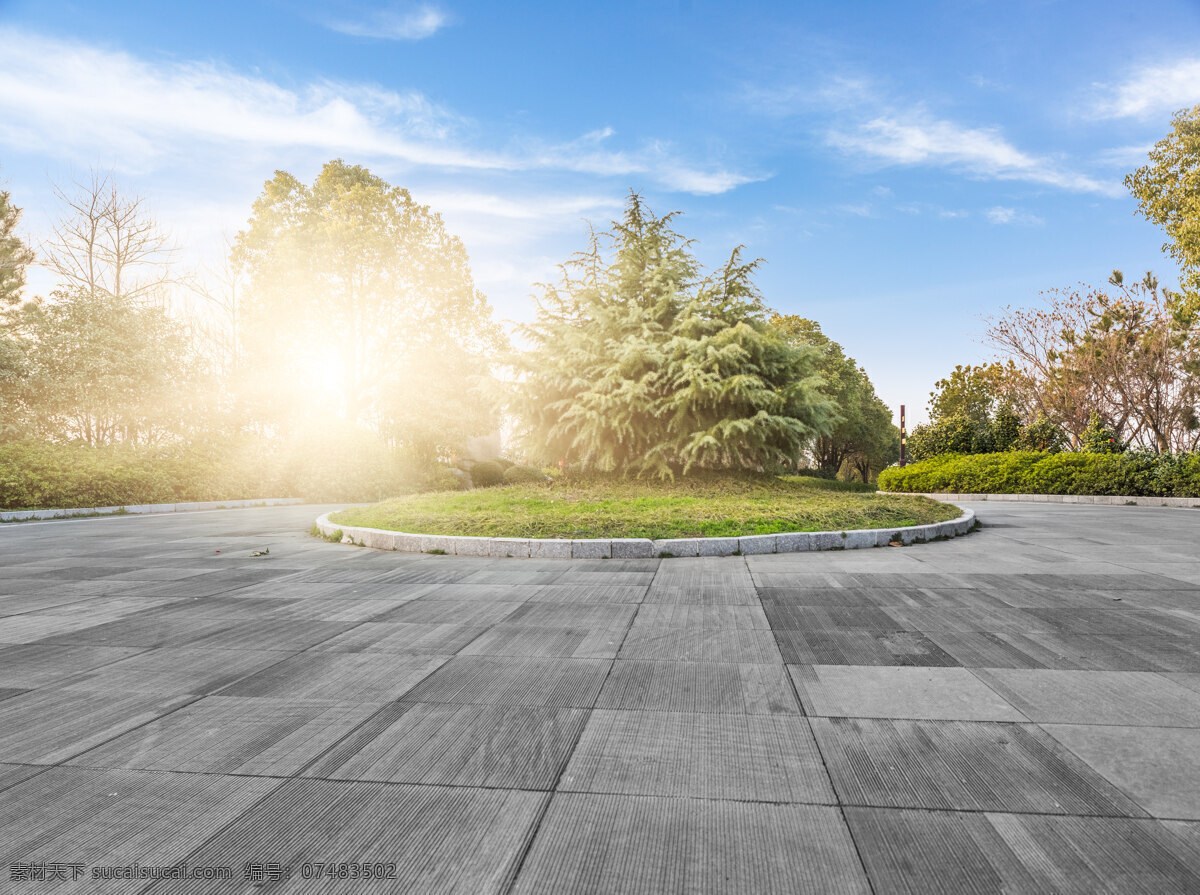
(1030, 472)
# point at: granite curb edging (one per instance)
(145, 508)
(645, 548)
(1091, 499)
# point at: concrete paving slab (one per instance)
(861, 647)
(485, 680)
(449, 612)
(1158, 766)
(440, 839)
(117, 818)
(228, 735)
(399, 637)
(947, 694)
(701, 644)
(698, 687)
(966, 766)
(565, 615)
(923, 852)
(559, 643)
(702, 595)
(691, 616)
(36, 665)
(623, 844)
(173, 672)
(1134, 698)
(339, 677)
(769, 758)
(516, 747)
(48, 726)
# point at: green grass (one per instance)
(707, 506)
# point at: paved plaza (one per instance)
(1016, 711)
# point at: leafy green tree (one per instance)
(970, 391)
(15, 256)
(1006, 428)
(953, 433)
(352, 274)
(862, 436)
(103, 369)
(637, 362)
(1041, 435)
(1168, 191)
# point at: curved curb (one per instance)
(644, 548)
(1087, 499)
(147, 508)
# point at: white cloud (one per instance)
(415, 23)
(91, 105)
(1152, 90)
(919, 139)
(1002, 215)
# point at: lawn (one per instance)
(707, 506)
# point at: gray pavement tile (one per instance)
(1043, 649)
(1191, 680)
(959, 765)
(339, 677)
(749, 757)
(1135, 698)
(146, 632)
(227, 735)
(565, 615)
(12, 774)
(117, 818)
(515, 747)
(561, 643)
(337, 608)
(947, 853)
(478, 591)
(701, 644)
(702, 595)
(49, 726)
(685, 616)
(399, 637)
(840, 597)
(630, 578)
(10, 692)
(624, 844)
(946, 694)
(284, 634)
(449, 612)
(488, 680)
(440, 839)
(1158, 766)
(498, 576)
(788, 614)
(29, 665)
(585, 593)
(698, 687)
(35, 600)
(861, 647)
(172, 672)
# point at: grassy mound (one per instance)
(700, 506)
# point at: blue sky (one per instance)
(905, 169)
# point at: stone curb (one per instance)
(1095, 499)
(139, 509)
(644, 548)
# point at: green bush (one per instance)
(446, 479)
(505, 465)
(1036, 472)
(520, 475)
(487, 474)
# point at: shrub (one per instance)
(520, 475)
(1040, 435)
(1099, 438)
(504, 464)
(443, 478)
(1033, 472)
(487, 474)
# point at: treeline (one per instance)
(1100, 370)
(345, 353)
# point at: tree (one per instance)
(1168, 192)
(352, 275)
(107, 243)
(975, 392)
(862, 436)
(640, 363)
(15, 256)
(103, 369)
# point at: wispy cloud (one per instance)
(394, 23)
(93, 105)
(1003, 215)
(1152, 90)
(917, 138)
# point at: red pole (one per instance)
(903, 439)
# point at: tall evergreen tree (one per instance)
(15, 256)
(638, 362)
